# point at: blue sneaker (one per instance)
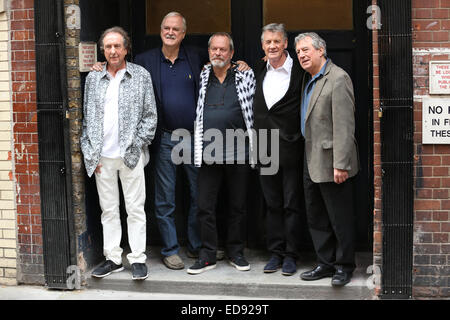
(289, 266)
(273, 265)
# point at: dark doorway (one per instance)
(349, 47)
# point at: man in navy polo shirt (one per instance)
(175, 71)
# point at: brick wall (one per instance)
(23, 75)
(431, 273)
(8, 243)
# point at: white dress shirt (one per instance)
(276, 82)
(111, 146)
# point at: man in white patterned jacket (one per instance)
(118, 125)
(224, 113)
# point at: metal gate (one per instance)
(54, 153)
(396, 124)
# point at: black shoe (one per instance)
(106, 268)
(200, 266)
(289, 266)
(139, 271)
(318, 273)
(240, 263)
(192, 254)
(273, 265)
(341, 278)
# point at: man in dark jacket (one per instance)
(277, 107)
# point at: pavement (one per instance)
(226, 281)
(222, 283)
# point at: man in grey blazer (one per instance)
(331, 160)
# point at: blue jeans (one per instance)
(165, 182)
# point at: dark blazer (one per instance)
(151, 61)
(284, 115)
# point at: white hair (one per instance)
(317, 41)
(175, 14)
(274, 27)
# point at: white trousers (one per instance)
(133, 186)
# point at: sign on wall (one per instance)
(87, 55)
(435, 121)
(439, 77)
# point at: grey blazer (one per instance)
(330, 126)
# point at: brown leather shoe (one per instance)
(174, 262)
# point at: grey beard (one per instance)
(218, 63)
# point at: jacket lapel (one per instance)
(294, 75)
(317, 90)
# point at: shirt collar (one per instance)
(181, 55)
(322, 70)
(287, 65)
(104, 72)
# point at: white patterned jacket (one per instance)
(137, 115)
(245, 87)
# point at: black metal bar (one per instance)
(397, 129)
(53, 134)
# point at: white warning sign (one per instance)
(435, 121)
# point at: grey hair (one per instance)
(274, 27)
(317, 41)
(175, 14)
(222, 34)
(122, 32)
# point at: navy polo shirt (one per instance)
(177, 93)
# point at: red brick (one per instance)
(429, 182)
(423, 216)
(442, 149)
(440, 194)
(445, 3)
(441, 36)
(425, 3)
(440, 216)
(440, 13)
(422, 14)
(17, 45)
(440, 171)
(445, 25)
(427, 249)
(423, 36)
(19, 15)
(445, 205)
(424, 193)
(446, 182)
(428, 226)
(445, 160)
(440, 237)
(23, 65)
(427, 204)
(22, 4)
(25, 127)
(426, 25)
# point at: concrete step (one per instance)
(225, 280)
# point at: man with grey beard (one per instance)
(224, 104)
